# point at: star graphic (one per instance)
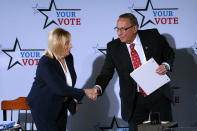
(96, 48)
(35, 8)
(103, 51)
(195, 48)
(114, 126)
(0, 48)
(147, 16)
(147, 13)
(50, 14)
(15, 54)
(131, 8)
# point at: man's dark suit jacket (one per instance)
(117, 57)
(47, 95)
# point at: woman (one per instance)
(52, 92)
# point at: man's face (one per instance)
(126, 32)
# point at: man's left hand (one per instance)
(161, 70)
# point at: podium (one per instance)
(156, 127)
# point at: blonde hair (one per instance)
(57, 39)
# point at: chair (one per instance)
(24, 114)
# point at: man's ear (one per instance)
(135, 28)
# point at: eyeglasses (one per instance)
(122, 29)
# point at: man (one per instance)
(121, 55)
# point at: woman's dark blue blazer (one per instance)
(47, 96)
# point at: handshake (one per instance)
(92, 93)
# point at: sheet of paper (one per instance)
(147, 78)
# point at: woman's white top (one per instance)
(67, 74)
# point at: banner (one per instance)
(23, 39)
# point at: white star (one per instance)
(195, 48)
(148, 14)
(15, 56)
(52, 16)
(114, 127)
(0, 48)
(96, 48)
(99, 49)
(35, 8)
(131, 8)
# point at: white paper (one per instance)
(147, 78)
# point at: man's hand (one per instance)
(161, 70)
(92, 93)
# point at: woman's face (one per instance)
(67, 48)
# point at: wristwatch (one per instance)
(167, 68)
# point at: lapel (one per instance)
(125, 56)
(59, 68)
(71, 69)
(145, 44)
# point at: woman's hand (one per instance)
(91, 93)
